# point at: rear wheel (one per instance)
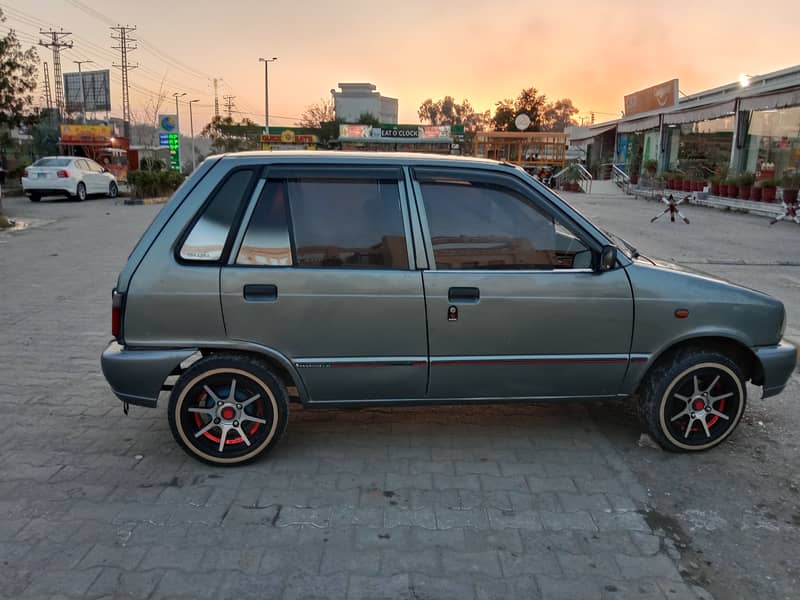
(113, 190)
(80, 192)
(693, 401)
(35, 197)
(228, 410)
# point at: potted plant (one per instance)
(745, 185)
(677, 181)
(756, 192)
(651, 166)
(715, 182)
(791, 185)
(768, 190)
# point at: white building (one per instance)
(354, 99)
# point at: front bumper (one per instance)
(777, 363)
(136, 376)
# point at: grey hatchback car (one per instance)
(347, 279)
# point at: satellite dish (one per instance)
(522, 121)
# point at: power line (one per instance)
(125, 45)
(56, 43)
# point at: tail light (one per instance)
(116, 314)
(63, 173)
(25, 172)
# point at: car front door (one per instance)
(321, 271)
(515, 309)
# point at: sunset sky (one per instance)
(592, 52)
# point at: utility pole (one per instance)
(178, 123)
(83, 92)
(191, 133)
(216, 97)
(48, 97)
(56, 43)
(266, 62)
(229, 105)
(125, 46)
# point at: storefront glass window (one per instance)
(705, 146)
(773, 142)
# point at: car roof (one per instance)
(349, 157)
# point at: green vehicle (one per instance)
(347, 279)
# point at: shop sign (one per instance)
(399, 131)
(355, 131)
(656, 97)
(288, 136)
(434, 131)
(86, 134)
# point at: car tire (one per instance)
(204, 417)
(35, 197)
(80, 192)
(113, 190)
(692, 400)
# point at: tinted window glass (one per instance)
(82, 165)
(52, 162)
(207, 239)
(267, 239)
(347, 224)
(479, 226)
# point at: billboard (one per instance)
(96, 91)
(92, 135)
(656, 97)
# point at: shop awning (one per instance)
(771, 101)
(578, 134)
(700, 113)
(641, 124)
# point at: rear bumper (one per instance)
(778, 363)
(136, 376)
(48, 186)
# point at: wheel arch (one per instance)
(731, 347)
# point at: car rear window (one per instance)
(52, 162)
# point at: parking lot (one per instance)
(542, 501)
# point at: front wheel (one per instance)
(113, 190)
(80, 192)
(693, 401)
(228, 410)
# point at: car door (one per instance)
(515, 309)
(321, 271)
(85, 175)
(98, 177)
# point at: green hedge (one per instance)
(150, 184)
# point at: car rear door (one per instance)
(321, 271)
(514, 307)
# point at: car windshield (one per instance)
(52, 162)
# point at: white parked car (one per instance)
(70, 176)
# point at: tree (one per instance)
(227, 135)
(316, 114)
(17, 83)
(367, 118)
(447, 111)
(529, 101)
(559, 115)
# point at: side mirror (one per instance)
(104, 170)
(607, 259)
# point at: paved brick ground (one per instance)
(433, 503)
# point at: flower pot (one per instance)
(687, 185)
(723, 189)
(671, 184)
(715, 189)
(697, 186)
(733, 190)
(768, 194)
(575, 187)
(790, 196)
(744, 192)
(634, 179)
(755, 194)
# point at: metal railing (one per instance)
(584, 177)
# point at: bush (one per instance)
(149, 184)
(746, 179)
(791, 181)
(651, 165)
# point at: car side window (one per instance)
(347, 223)
(475, 225)
(81, 164)
(206, 241)
(266, 241)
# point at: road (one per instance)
(543, 501)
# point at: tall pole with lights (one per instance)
(266, 62)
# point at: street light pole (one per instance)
(178, 123)
(266, 62)
(83, 94)
(191, 133)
